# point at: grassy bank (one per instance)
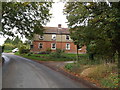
(104, 75)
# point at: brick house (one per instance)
(53, 38)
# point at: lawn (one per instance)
(50, 57)
(7, 51)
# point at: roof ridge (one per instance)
(53, 27)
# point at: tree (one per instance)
(27, 17)
(16, 41)
(77, 35)
(101, 26)
(8, 40)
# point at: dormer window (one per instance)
(41, 37)
(67, 37)
(54, 37)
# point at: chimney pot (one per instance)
(59, 25)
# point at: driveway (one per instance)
(19, 72)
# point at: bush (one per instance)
(48, 50)
(29, 54)
(23, 50)
(69, 66)
(9, 46)
(58, 54)
(43, 52)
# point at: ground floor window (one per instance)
(67, 46)
(40, 45)
(53, 46)
(31, 46)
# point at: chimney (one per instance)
(59, 26)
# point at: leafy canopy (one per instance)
(27, 17)
(95, 24)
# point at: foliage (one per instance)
(27, 17)
(58, 53)
(104, 71)
(8, 40)
(23, 49)
(95, 25)
(69, 66)
(7, 51)
(43, 52)
(48, 50)
(111, 81)
(16, 41)
(9, 46)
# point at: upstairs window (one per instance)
(67, 46)
(53, 46)
(41, 37)
(67, 37)
(40, 45)
(54, 37)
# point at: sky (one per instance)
(57, 18)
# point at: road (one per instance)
(19, 72)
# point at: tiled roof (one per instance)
(56, 30)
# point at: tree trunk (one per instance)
(119, 61)
(118, 68)
(91, 56)
(77, 56)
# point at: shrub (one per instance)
(58, 54)
(43, 52)
(23, 50)
(48, 50)
(9, 46)
(30, 53)
(69, 66)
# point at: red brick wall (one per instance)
(60, 45)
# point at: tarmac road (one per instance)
(19, 72)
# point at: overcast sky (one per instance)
(57, 18)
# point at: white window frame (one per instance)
(39, 45)
(52, 46)
(68, 36)
(66, 46)
(53, 36)
(41, 37)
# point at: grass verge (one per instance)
(49, 57)
(104, 75)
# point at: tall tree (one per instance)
(27, 17)
(8, 40)
(16, 41)
(101, 23)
